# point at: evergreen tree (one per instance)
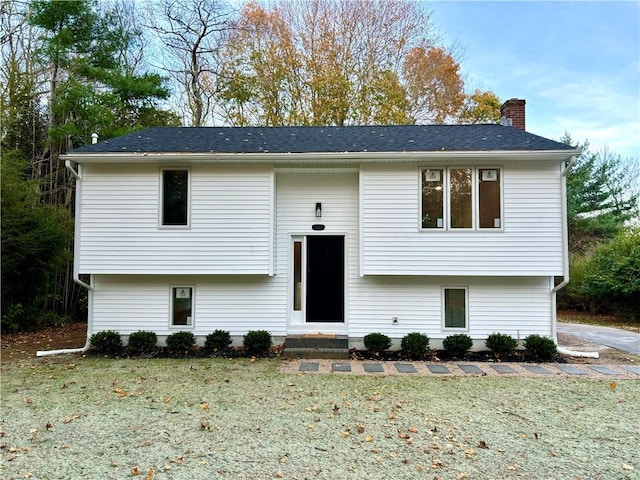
(65, 74)
(602, 195)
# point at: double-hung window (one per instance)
(461, 198)
(174, 205)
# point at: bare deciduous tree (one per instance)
(190, 31)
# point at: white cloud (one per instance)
(600, 108)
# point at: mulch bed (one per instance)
(444, 356)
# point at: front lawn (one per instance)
(90, 418)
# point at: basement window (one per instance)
(182, 306)
(455, 307)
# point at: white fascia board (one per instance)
(318, 157)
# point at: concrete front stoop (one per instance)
(316, 346)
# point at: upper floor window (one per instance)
(461, 198)
(489, 198)
(175, 198)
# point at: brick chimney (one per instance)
(512, 112)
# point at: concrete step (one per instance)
(317, 342)
(327, 353)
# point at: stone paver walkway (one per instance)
(548, 370)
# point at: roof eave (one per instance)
(316, 157)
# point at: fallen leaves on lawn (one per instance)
(120, 392)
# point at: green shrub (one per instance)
(572, 297)
(501, 344)
(257, 341)
(613, 277)
(377, 342)
(540, 348)
(106, 342)
(180, 343)
(142, 343)
(457, 345)
(415, 345)
(217, 341)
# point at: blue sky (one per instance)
(577, 64)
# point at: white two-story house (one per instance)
(344, 231)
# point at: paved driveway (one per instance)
(607, 336)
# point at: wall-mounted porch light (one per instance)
(318, 210)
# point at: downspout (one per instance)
(565, 227)
(76, 279)
(565, 260)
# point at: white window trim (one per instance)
(193, 307)
(161, 200)
(475, 199)
(443, 308)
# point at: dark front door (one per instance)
(325, 279)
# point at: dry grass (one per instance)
(571, 316)
(93, 418)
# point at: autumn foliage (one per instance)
(335, 63)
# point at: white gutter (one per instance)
(320, 157)
(76, 279)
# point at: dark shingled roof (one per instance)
(400, 138)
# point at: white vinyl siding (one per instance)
(230, 228)
(529, 242)
(127, 303)
(517, 306)
(297, 195)
(242, 222)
